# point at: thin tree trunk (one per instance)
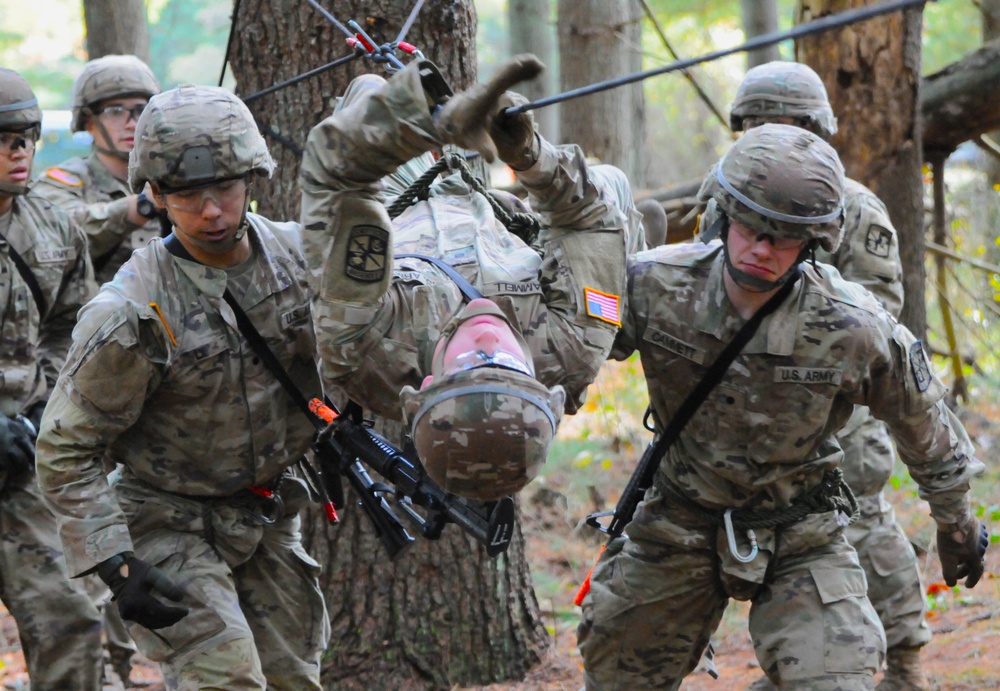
(760, 17)
(443, 613)
(991, 31)
(600, 40)
(532, 31)
(116, 27)
(872, 74)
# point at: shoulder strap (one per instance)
(468, 290)
(28, 276)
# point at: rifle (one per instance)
(346, 444)
(635, 490)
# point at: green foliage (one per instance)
(951, 30)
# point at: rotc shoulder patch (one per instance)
(64, 177)
(603, 306)
(918, 364)
(367, 248)
(878, 241)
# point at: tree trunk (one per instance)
(991, 31)
(962, 101)
(443, 613)
(600, 40)
(116, 27)
(532, 31)
(760, 17)
(872, 74)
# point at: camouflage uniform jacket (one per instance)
(180, 400)
(98, 201)
(377, 322)
(33, 346)
(763, 435)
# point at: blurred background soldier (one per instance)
(793, 94)
(203, 508)
(482, 382)
(108, 97)
(749, 502)
(45, 277)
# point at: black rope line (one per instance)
(229, 41)
(817, 26)
(278, 137)
(302, 77)
(330, 18)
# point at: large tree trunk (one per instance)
(532, 31)
(116, 27)
(443, 613)
(991, 31)
(872, 74)
(600, 40)
(962, 101)
(760, 17)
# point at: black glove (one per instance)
(514, 135)
(963, 559)
(133, 592)
(17, 445)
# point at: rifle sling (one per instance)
(712, 377)
(28, 276)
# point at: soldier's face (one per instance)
(117, 118)
(208, 217)
(763, 256)
(17, 150)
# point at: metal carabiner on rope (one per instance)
(727, 519)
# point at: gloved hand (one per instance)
(514, 135)
(17, 446)
(133, 591)
(961, 548)
(466, 117)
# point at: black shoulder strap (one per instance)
(29, 278)
(250, 332)
(468, 290)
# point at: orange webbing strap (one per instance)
(585, 586)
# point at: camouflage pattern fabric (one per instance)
(378, 319)
(97, 201)
(761, 439)
(161, 381)
(58, 625)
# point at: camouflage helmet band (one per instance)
(22, 105)
(771, 213)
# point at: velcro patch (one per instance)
(294, 316)
(53, 255)
(367, 248)
(603, 306)
(808, 375)
(64, 177)
(878, 241)
(918, 364)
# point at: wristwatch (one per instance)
(145, 207)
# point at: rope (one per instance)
(524, 226)
(229, 41)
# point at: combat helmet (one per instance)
(482, 433)
(193, 135)
(783, 89)
(111, 76)
(784, 181)
(19, 112)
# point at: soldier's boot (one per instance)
(903, 671)
(762, 684)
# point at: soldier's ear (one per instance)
(428, 380)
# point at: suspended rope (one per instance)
(409, 22)
(302, 77)
(330, 18)
(814, 27)
(229, 41)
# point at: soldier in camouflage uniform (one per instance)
(384, 323)
(58, 625)
(792, 93)
(748, 503)
(108, 96)
(203, 509)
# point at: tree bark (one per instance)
(116, 27)
(760, 17)
(443, 613)
(532, 31)
(872, 75)
(600, 40)
(991, 31)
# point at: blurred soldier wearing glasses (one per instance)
(45, 276)
(108, 97)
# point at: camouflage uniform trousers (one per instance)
(655, 601)
(58, 624)
(257, 616)
(890, 564)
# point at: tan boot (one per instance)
(903, 672)
(762, 684)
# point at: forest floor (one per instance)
(585, 473)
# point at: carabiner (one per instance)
(727, 519)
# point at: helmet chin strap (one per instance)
(117, 153)
(244, 223)
(11, 188)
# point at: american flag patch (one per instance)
(603, 306)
